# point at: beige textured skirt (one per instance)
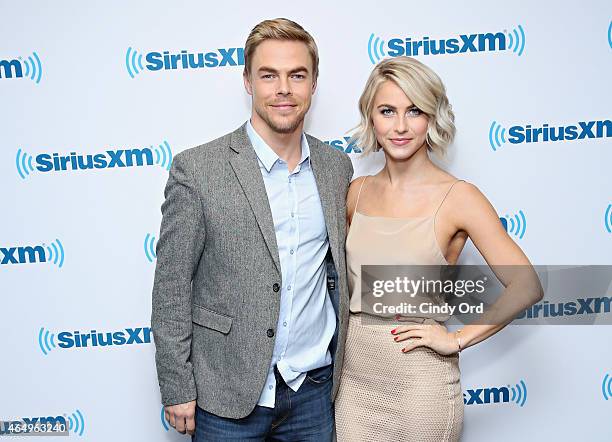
(387, 395)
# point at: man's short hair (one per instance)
(280, 29)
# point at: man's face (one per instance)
(281, 83)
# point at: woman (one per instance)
(401, 382)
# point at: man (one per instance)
(250, 301)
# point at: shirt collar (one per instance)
(266, 155)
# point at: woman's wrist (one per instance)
(458, 340)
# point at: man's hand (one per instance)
(182, 417)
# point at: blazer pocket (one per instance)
(209, 319)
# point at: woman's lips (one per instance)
(400, 141)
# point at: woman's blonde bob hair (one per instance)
(423, 88)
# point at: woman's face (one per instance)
(400, 127)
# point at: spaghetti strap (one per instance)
(358, 195)
(445, 195)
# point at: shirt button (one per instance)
(276, 287)
(270, 387)
(292, 214)
(285, 324)
(270, 332)
(288, 287)
(291, 251)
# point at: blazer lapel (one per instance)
(325, 178)
(246, 167)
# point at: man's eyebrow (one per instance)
(274, 71)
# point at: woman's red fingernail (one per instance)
(393, 331)
(396, 338)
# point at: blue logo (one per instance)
(495, 395)
(511, 41)
(34, 254)
(581, 306)
(30, 68)
(160, 155)
(547, 133)
(608, 218)
(48, 341)
(164, 421)
(610, 34)
(344, 144)
(76, 422)
(518, 224)
(149, 247)
(46, 425)
(606, 387)
(156, 61)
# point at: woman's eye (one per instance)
(415, 111)
(386, 112)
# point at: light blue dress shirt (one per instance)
(307, 320)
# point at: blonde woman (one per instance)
(402, 383)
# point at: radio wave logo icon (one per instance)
(76, 422)
(133, 62)
(149, 247)
(46, 341)
(24, 161)
(606, 387)
(608, 218)
(55, 253)
(34, 254)
(376, 48)
(515, 40)
(164, 421)
(610, 34)
(15, 68)
(515, 224)
(519, 393)
(163, 155)
(497, 135)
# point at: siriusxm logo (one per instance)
(344, 144)
(48, 341)
(156, 61)
(34, 254)
(149, 247)
(515, 224)
(461, 44)
(45, 425)
(496, 395)
(610, 34)
(30, 68)
(528, 134)
(581, 306)
(608, 219)
(606, 387)
(160, 155)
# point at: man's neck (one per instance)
(288, 146)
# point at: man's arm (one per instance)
(180, 245)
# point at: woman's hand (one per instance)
(434, 336)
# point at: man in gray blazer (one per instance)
(250, 300)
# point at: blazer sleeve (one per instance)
(180, 245)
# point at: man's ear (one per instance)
(314, 86)
(247, 83)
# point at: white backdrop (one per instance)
(66, 86)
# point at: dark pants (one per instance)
(303, 415)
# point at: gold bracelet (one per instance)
(458, 340)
